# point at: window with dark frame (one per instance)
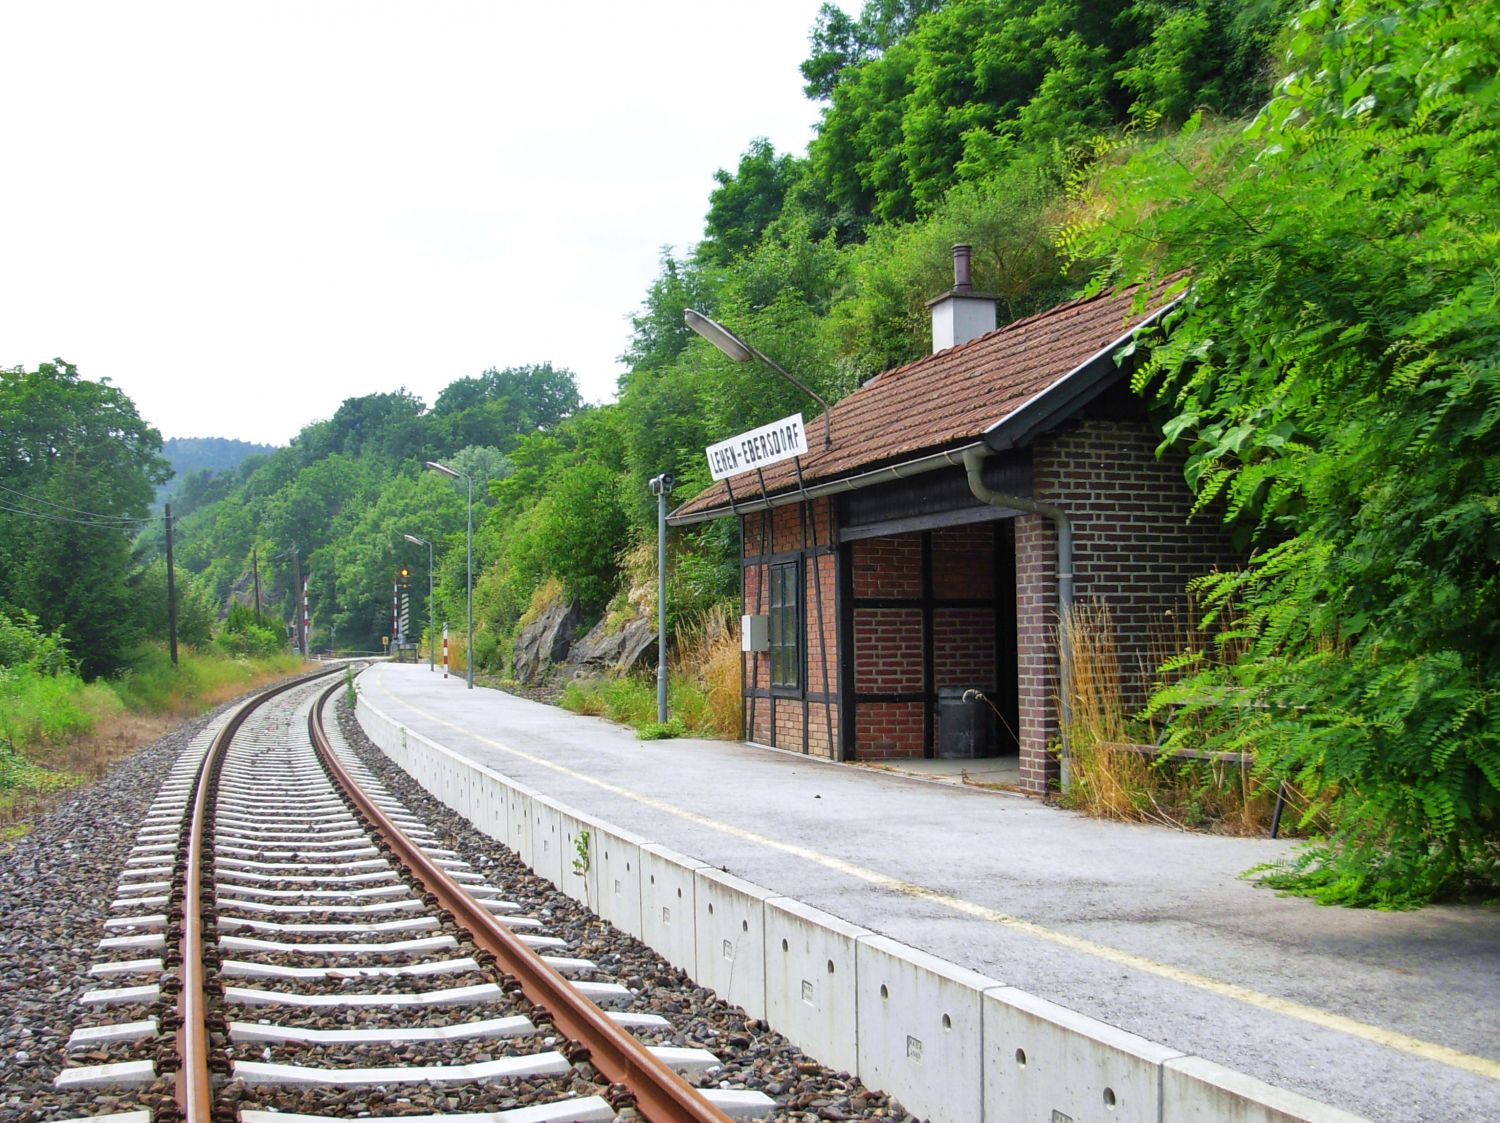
(785, 624)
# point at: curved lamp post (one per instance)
(431, 610)
(742, 352)
(469, 567)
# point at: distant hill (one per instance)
(195, 454)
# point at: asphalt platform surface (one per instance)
(1395, 1016)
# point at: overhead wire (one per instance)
(48, 516)
(101, 519)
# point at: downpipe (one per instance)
(974, 458)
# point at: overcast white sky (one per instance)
(243, 214)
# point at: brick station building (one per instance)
(910, 561)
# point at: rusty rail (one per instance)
(192, 1086)
(661, 1095)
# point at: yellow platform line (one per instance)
(1325, 1019)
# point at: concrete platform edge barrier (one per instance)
(956, 1039)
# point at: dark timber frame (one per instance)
(1002, 605)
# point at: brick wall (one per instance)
(1134, 549)
(888, 730)
(821, 637)
(963, 562)
(887, 647)
(1036, 656)
(888, 567)
(888, 652)
(963, 647)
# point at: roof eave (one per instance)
(1067, 395)
(916, 466)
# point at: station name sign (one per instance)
(770, 444)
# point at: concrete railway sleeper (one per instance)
(287, 942)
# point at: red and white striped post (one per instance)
(306, 616)
(445, 649)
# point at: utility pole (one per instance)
(171, 590)
(301, 640)
(255, 565)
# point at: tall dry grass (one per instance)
(1113, 782)
(708, 653)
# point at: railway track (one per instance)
(288, 942)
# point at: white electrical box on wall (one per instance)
(755, 633)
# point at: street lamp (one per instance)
(431, 610)
(469, 568)
(742, 352)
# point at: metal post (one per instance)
(661, 605)
(660, 486)
(469, 587)
(431, 617)
(171, 591)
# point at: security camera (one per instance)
(662, 484)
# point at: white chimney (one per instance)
(961, 315)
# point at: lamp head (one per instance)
(443, 468)
(717, 334)
(414, 540)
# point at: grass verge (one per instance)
(703, 697)
(57, 731)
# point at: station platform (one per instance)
(1391, 1016)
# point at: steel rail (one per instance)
(192, 1086)
(662, 1096)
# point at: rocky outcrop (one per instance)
(545, 641)
(625, 648)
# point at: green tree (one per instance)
(78, 468)
(841, 41)
(964, 89)
(746, 202)
(197, 612)
(658, 334)
(500, 406)
(1333, 377)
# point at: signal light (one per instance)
(404, 572)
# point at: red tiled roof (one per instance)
(948, 398)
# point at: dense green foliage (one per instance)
(77, 471)
(1333, 375)
(23, 643)
(344, 494)
(921, 100)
